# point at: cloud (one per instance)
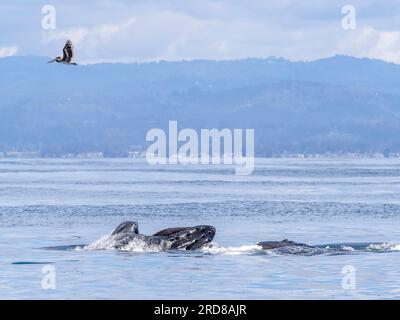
(372, 43)
(90, 36)
(8, 51)
(176, 35)
(144, 30)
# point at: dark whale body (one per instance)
(180, 238)
(270, 245)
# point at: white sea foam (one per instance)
(104, 243)
(108, 242)
(138, 245)
(214, 248)
(347, 248)
(387, 246)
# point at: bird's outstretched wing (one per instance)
(68, 51)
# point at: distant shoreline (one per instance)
(282, 156)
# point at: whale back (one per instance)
(127, 227)
(270, 245)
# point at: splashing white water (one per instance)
(387, 246)
(139, 245)
(214, 248)
(348, 248)
(104, 243)
(108, 242)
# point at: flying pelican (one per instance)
(68, 54)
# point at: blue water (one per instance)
(64, 202)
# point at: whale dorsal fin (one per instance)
(169, 231)
(127, 227)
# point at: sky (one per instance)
(147, 30)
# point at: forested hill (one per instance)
(338, 104)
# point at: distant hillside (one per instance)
(330, 105)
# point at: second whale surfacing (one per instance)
(270, 245)
(179, 238)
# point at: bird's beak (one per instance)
(52, 60)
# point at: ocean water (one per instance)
(353, 205)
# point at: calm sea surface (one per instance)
(64, 202)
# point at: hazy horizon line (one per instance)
(88, 62)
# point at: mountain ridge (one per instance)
(337, 104)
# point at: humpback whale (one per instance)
(178, 238)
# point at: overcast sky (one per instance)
(145, 30)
